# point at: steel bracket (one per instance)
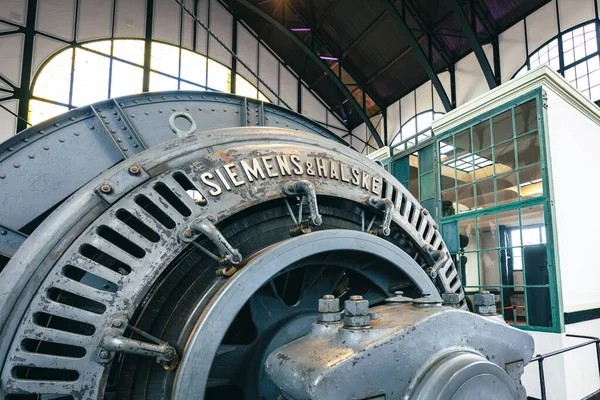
(113, 341)
(203, 226)
(122, 182)
(305, 188)
(10, 241)
(387, 206)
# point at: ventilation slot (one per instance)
(394, 195)
(74, 300)
(403, 205)
(131, 221)
(426, 231)
(433, 238)
(154, 211)
(454, 281)
(411, 214)
(89, 279)
(172, 198)
(419, 221)
(120, 241)
(63, 324)
(52, 349)
(191, 189)
(44, 374)
(384, 187)
(36, 397)
(449, 272)
(89, 251)
(441, 246)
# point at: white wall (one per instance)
(55, 25)
(576, 187)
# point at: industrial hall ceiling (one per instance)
(360, 56)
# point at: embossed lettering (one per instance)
(355, 176)
(321, 167)
(254, 171)
(222, 178)
(269, 167)
(284, 165)
(233, 175)
(298, 170)
(216, 189)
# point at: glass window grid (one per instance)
(95, 48)
(580, 50)
(515, 170)
(414, 131)
(499, 251)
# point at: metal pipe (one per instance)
(542, 380)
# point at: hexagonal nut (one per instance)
(356, 321)
(356, 307)
(329, 317)
(485, 310)
(329, 305)
(450, 298)
(485, 299)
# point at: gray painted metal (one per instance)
(46, 163)
(204, 342)
(39, 264)
(407, 353)
(468, 31)
(10, 241)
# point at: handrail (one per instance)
(541, 357)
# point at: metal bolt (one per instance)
(134, 169)
(329, 309)
(398, 292)
(187, 234)
(356, 312)
(2, 233)
(105, 189)
(103, 354)
(117, 323)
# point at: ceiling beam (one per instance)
(324, 67)
(469, 32)
(421, 57)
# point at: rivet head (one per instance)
(26, 140)
(187, 234)
(61, 140)
(31, 156)
(103, 354)
(10, 149)
(3, 232)
(42, 132)
(117, 323)
(105, 188)
(92, 127)
(134, 169)
(57, 124)
(76, 133)
(46, 147)
(72, 118)
(16, 165)
(2, 175)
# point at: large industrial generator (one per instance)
(188, 245)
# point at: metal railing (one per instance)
(540, 358)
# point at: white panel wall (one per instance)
(130, 18)
(221, 23)
(407, 107)
(247, 50)
(14, 11)
(94, 20)
(444, 78)
(288, 87)
(11, 49)
(393, 120)
(470, 81)
(167, 20)
(8, 122)
(43, 48)
(572, 167)
(513, 51)
(541, 26)
(311, 107)
(574, 12)
(423, 97)
(187, 32)
(56, 17)
(268, 70)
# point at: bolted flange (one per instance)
(356, 313)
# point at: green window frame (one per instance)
(493, 207)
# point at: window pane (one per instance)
(507, 221)
(90, 79)
(262, 97)
(488, 238)
(528, 149)
(506, 188)
(193, 67)
(219, 77)
(102, 46)
(131, 50)
(482, 137)
(502, 126)
(189, 86)
(54, 81)
(485, 193)
(40, 111)
(126, 79)
(489, 268)
(504, 155)
(446, 155)
(165, 58)
(160, 82)
(245, 88)
(484, 167)
(466, 198)
(530, 182)
(462, 142)
(514, 306)
(538, 307)
(449, 203)
(525, 117)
